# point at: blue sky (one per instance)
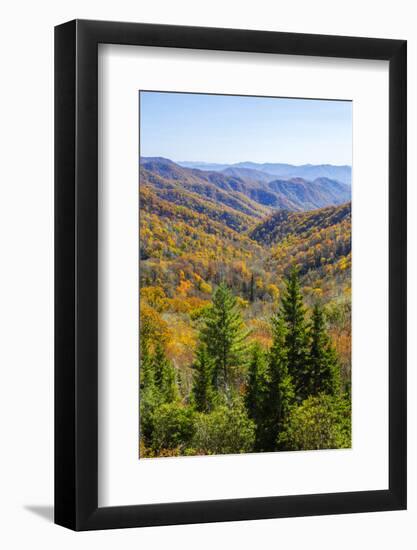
(229, 129)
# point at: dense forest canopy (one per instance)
(245, 311)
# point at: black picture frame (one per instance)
(76, 272)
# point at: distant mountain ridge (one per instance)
(243, 189)
(342, 173)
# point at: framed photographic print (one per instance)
(230, 275)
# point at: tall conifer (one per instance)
(296, 340)
(159, 362)
(224, 336)
(202, 392)
(169, 386)
(323, 366)
(280, 392)
(146, 370)
(256, 393)
(164, 375)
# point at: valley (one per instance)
(251, 232)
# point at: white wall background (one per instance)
(26, 272)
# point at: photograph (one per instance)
(245, 274)
(197, 350)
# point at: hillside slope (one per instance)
(284, 223)
(197, 232)
(318, 242)
(244, 190)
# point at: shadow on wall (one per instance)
(45, 512)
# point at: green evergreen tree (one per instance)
(202, 391)
(158, 385)
(146, 369)
(164, 375)
(159, 363)
(150, 399)
(256, 392)
(224, 335)
(149, 394)
(255, 381)
(279, 397)
(296, 339)
(169, 386)
(323, 364)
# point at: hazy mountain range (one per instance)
(246, 190)
(306, 171)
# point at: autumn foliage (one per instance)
(245, 322)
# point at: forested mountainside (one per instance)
(210, 253)
(305, 224)
(235, 187)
